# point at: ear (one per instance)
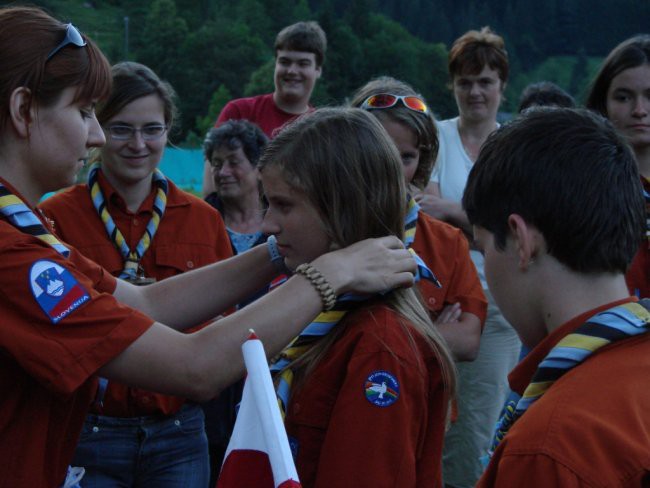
(319, 71)
(526, 239)
(21, 111)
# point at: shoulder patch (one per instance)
(381, 388)
(56, 290)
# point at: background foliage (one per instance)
(214, 50)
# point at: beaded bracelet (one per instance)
(323, 287)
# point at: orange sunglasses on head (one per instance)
(388, 100)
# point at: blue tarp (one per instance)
(184, 167)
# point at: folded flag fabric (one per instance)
(258, 455)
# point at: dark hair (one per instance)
(234, 134)
(132, 81)
(630, 53)
(474, 50)
(27, 36)
(544, 94)
(303, 36)
(568, 173)
(422, 124)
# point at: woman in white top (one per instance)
(478, 66)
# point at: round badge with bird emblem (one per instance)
(381, 388)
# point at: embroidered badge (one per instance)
(381, 389)
(56, 290)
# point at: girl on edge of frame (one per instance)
(369, 394)
(621, 92)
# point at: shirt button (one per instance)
(190, 264)
(136, 222)
(177, 422)
(95, 429)
(432, 301)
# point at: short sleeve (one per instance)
(60, 325)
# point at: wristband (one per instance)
(319, 282)
(276, 258)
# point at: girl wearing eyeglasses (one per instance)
(367, 390)
(478, 67)
(166, 231)
(66, 320)
(458, 307)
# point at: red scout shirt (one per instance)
(260, 110)
(48, 361)
(346, 434)
(638, 275)
(591, 428)
(445, 250)
(191, 234)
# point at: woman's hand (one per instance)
(368, 266)
(437, 207)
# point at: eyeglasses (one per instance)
(72, 36)
(120, 132)
(387, 100)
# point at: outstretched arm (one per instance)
(199, 365)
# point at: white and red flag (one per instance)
(258, 455)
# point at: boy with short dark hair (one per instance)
(299, 55)
(558, 209)
(544, 94)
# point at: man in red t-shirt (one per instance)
(299, 55)
(557, 208)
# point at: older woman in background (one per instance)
(233, 149)
(478, 66)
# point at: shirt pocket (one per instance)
(308, 418)
(184, 257)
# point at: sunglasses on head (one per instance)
(388, 100)
(72, 36)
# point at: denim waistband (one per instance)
(186, 411)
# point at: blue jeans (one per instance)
(156, 451)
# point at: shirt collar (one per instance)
(520, 377)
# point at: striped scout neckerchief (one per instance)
(23, 218)
(323, 324)
(606, 327)
(131, 257)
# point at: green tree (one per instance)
(261, 80)
(219, 98)
(222, 52)
(162, 40)
(579, 75)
